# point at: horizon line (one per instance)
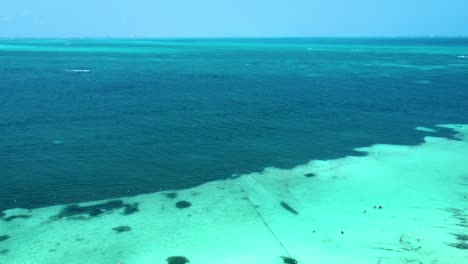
(236, 37)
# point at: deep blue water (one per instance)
(145, 115)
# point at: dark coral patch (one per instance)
(461, 237)
(120, 229)
(183, 204)
(13, 217)
(289, 208)
(288, 260)
(130, 209)
(4, 237)
(171, 195)
(4, 251)
(76, 211)
(90, 210)
(309, 175)
(177, 260)
(461, 245)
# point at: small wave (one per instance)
(462, 57)
(79, 70)
(312, 75)
(422, 82)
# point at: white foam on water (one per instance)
(457, 65)
(391, 64)
(78, 70)
(397, 204)
(422, 82)
(404, 65)
(312, 75)
(462, 57)
(425, 129)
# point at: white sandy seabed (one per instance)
(327, 217)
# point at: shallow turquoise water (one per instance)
(87, 119)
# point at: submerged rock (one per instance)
(4, 237)
(289, 208)
(183, 204)
(120, 229)
(288, 260)
(171, 195)
(177, 260)
(309, 175)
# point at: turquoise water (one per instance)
(87, 119)
(265, 151)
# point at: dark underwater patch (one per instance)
(76, 210)
(310, 175)
(288, 260)
(461, 217)
(13, 217)
(386, 249)
(4, 237)
(130, 209)
(177, 260)
(171, 195)
(289, 208)
(4, 251)
(461, 245)
(183, 204)
(120, 229)
(461, 237)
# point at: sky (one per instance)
(232, 18)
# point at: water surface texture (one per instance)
(90, 119)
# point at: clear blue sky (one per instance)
(231, 18)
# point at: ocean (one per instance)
(87, 120)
